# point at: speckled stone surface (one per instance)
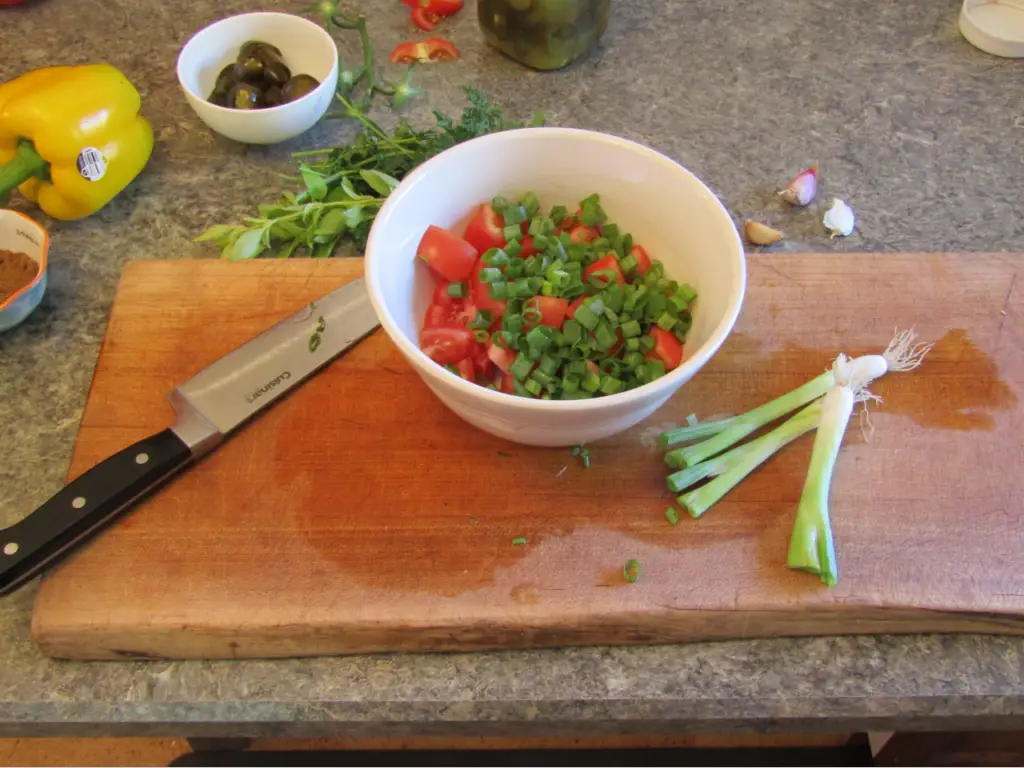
(922, 134)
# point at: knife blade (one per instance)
(208, 407)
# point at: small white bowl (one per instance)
(664, 206)
(306, 48)
(21, 234)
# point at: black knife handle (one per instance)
(86, 504)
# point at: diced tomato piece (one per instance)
(441, 296)
(528, 249)
(466, 369)
(447, 254)
(485, 230)
(666, 348)
(501, 356)
(479, 356)
(552, 310)
(643, 261)
(436, 316)
(507, 381)
(611, 261)
(446, 345)
(581, 234)
(480, 293)
(424, 19)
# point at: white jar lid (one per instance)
(994, 26)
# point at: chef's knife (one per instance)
(208, 407)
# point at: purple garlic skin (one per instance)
(802, 188)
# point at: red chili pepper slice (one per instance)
(437, 7)
(431, 49)
(424, 19)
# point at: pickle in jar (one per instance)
(543, 34)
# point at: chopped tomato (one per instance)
(448, 255)
(480, 293)
(501, 356)
(478, 354)
(609, 262)
(446, 345)
(507, 382)
(441, 296)
(643, 261)
(463, 313)
(552, 310)
(666, 348)
(528, 249)
(424, 19)
(436, 316)
(485, 230)
(431, 49)
(466, 369)
(581, 234)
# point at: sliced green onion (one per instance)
(490, 275)
(512, 232)
(519, 389)
(632, 345)
(632, 360)
(513, 215)
(687, 293)
(457, 290)
(631, 329)
(611, 317)
(530, 203)
(604, 336)
(666, 321)
(513, 248)
(610, 385)
(585, 316)
(572, 331)
(498, 290)
(570, 384)
(538, 339)
(613, 297)
(515, 269)
(499, 204)
(521, 366)
(481, 335)
(532, 386)
(631, 571)
(592, 382)
(610, 231)
(550, 365)
(512, 322)
(495, 257)
(627, 264)
(646, 343)
(518, 541)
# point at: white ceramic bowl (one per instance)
(664, 206)
(21, 234)
(306, 47)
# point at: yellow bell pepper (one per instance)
(71, 138)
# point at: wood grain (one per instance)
(360, 515)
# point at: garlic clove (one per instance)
(760, 234)
(802, 188)
(839, 218)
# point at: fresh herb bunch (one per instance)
(348, 185)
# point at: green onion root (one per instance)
(741, 461)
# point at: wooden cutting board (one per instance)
(360, 515)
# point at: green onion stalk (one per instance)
(730, 468)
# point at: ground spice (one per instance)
(16, 271)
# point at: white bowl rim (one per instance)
(264, 110)
(684, 371)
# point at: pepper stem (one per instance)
(24, 165)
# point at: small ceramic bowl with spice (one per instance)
(260, 78)
(23, 248)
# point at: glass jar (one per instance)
(544, 34)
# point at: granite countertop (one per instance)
(922, 134)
